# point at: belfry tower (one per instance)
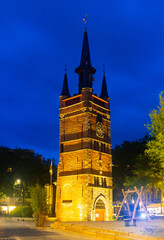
(84, 181)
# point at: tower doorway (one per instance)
(100, 211)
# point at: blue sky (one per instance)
(37, 37)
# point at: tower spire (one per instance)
(85, 62)
(104, 92)
(65, 90)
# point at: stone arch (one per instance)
(100, 196)
(100, 209)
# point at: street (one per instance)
(22, 230)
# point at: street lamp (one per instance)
(19, 188)
(18, 181)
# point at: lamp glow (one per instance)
(143, 215)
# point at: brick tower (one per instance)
(84, 180)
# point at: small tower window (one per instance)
(97, 147)
(98, 181)
(61, 147)
(102, 182)
(105, 182)
(95, 181)
(94, 145)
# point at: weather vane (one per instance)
(85, 20)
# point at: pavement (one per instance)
(154, 228)
(148, 230)
(26, 230)
(23, 230)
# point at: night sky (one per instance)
(37, 37)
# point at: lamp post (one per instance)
(51, 188)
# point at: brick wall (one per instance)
(85, 169)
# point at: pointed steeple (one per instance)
(65, 90)
(104, 93)
(85, 54)
(85, 62)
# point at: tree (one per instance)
(155, 147)
(126, 158)
(149, 167)
(25, 165)
(139, 177)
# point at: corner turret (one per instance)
(104, 93)
(65, 91)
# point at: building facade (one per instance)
(84, 179)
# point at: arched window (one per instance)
(67, 193)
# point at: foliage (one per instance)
(149, 167)
(155, 147)
(38, 204)
(128, 157)
(21, 211)
(21, 164)
(1, 192)
(139, 177)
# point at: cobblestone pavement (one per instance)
(19, 230)
(154, 228)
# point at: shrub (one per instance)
(38, 204)
(21, 211)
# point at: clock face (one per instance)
(99, 130)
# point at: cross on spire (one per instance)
(85, 20)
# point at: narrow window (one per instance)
(102, 147)
(94, 145)
(97, 181)
(97, 148)
(104, 182)
(61, 147)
